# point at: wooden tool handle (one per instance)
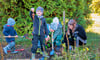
(67, 41)
(8, 36)
(52, 41)
(11, 36)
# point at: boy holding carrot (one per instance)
(39, 30)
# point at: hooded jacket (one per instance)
(9, 30)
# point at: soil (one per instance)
(26, 54)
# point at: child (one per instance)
(10, 31)
(75, 31)
(56, 27)
(39, 30)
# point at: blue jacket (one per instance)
(9, 30)
(58, 32)
(36, 24)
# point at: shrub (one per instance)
(19, 10)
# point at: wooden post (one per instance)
(64, 22)
(1, 51)
(67, 41)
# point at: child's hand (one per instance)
(9, 36)
(32, 9)
(68, 32)
(52, 39)
(16, 36)
(48, 38)
(51, 30)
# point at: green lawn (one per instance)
(93, 39)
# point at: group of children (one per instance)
(41, 32)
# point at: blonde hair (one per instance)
(72, 22)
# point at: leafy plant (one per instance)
(19, 10)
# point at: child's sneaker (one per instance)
(5, 50)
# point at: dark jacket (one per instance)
(9, 30)
(81, 32)
(43, 27)
(58, 32)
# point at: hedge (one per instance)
(19, 10)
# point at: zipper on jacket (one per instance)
(39, 26)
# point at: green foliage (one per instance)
(19, 10)
(95, 6)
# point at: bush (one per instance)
(19, 10)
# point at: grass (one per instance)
(93, 38)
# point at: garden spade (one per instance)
(52, 52)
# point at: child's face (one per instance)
(33, 15)
(70, 26)
(39, 13)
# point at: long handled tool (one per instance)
(25, 36)
(67, 41)
(52, 52)
(12, 36)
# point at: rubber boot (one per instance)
(45, 55)
(8, 47)
(33, 56)
(5, 50)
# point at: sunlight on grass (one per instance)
(96, 26)
(93, 38)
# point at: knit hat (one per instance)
(56, 20)
(71, 22)
(54, 24)
(40, 8)
(11, 21)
